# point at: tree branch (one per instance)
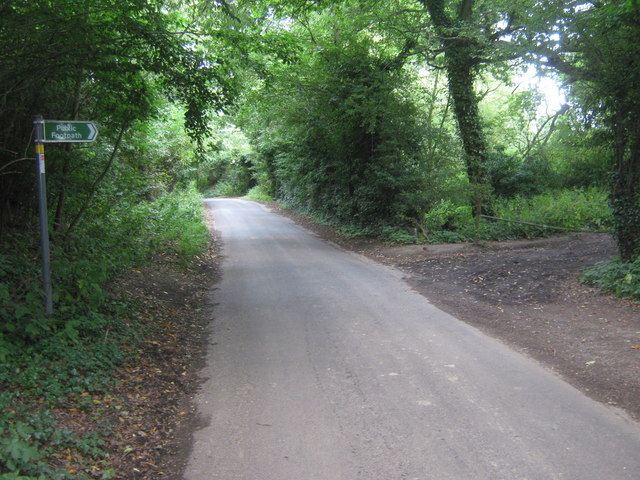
(399, 60)
(555, 61)
(553, 118)
(97, 181)
(6, 165)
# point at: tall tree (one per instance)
(341, 139)
(462, 57)
(469, 36)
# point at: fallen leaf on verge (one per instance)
(590, 362)
(636, 347)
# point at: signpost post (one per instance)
(44, 219)
(53, 131)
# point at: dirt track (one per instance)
(526, 294)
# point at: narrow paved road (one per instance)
(324, 365)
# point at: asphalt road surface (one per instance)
(325, 365)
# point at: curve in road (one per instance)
(325, 365)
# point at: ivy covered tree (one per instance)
(610, 42)
(465, 37)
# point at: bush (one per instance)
(620, 278)
(48, 361)
(397, 235)
(258, 193)
(345, 142)
(573, 209)
(225, 188)
(234, 179)
(511, 176)
(446, 236)
(445, 214)
(46, 376)
(178, 223)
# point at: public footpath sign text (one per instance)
(63, 131)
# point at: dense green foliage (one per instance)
(621, 278)
(404, 119)
(569, 209)
(46, 362)
(596, 47)
(572, 210)
(614, 99)
(304, 120)
(112, 62)
(356, 148)
(150, 79)
(462, 130)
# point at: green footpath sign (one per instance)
(69, 131)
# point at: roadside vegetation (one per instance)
(113, 206)
(418, 122)
(413, 121)
(50, 365)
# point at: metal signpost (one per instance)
(53, 131)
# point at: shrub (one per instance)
(446, 214)
(258, 193)
(47, 361)
(573, 209)
(620, 278)
(397, 235)
(178, 223)
(511, 176)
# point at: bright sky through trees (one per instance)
(554, 97)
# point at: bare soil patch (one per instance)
(149, 413)
(526, 293)
(153, 425)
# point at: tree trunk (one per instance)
(460, 74)
(625, 194)
(460, 65)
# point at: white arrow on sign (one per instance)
(93, 131)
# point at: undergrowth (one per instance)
(49, 364)
(258, 193)
(620, 278)
(449, 222)
(579, 209)
(585, 210)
